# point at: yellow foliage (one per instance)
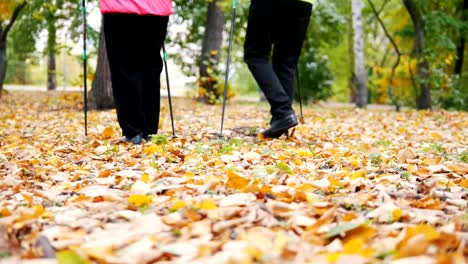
(140, 200)
(208, 205)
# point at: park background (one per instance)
(401, 53)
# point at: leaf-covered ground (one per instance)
(350, 186)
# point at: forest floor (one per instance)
(350, 186)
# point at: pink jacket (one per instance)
(140, 7)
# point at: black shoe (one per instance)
(135, 140)
(280, 126)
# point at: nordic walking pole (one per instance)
(168, 89)
(85, 68)
(226, 83)
(301, 119)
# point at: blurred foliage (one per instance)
(325, 67)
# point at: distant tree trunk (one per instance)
(461, 45)
(3, 42)
(211, 46)
(352, 76)
(391, 88)
(3, 63)
(424, 98)
(51, 50)
(360, 68)
(100, 96)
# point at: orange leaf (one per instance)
(236, 181)
(107, 133)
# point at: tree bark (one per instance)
(461, 45)
(424, 98)
(360, 69)
(211, 47)
(3, 64)
(100, 96)
(3, 42)
(352, 76)
(51, 50)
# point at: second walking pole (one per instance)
(228, 63)
(168, 90)
(85, 68)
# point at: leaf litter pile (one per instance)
(350, 186)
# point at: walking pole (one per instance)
(226, 83)
(301, 119)
(168, 89)
(85, 69)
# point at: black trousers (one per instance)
(276, 29)
(133, 45)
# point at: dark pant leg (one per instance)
(257, 49)
(290, 32)
(133, 51)
(152, 74)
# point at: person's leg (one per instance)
(257, 49)
(288, 41)
(122, 48)
(152, 45)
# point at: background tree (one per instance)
(9, 13)
(360, 68)
(100, 96)
(424, 98)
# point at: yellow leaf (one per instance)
(365, 233)
(458, 167)
(145, 178)
(436, 135)
(358, 174)
(140, 200)
(28, 199)
(355, 163)
(189, 174)
(423, 172)
(208, 205)
(429, 233)
(396, 214)
(178, 204)
(462, 182)
(284, 156)
(38, 210)
(254, 252)
(412, 168)
(150, 150)
(304, 153)
(357, 246)
(333, 257)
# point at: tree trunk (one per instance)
(100, 96)
(461, 45)
(51, 50)
(360, 68)
(3, 42)
(352, 75)
(211, 47)
(424, 98)
(3, 63)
